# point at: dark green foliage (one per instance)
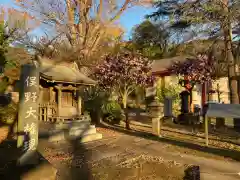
(151, 39)
(112, 112)
(93, 99)
(3, 84)
(188, 15)
(165, 9)
(3, 45)
(170, 91)
(7, 112)
(2, 57)
(97, 103)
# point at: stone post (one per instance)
(28, 114)
(156, 113)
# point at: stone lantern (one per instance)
(156, 113)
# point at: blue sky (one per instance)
(133, 16)
(128, 20)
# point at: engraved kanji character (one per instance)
(31, 112)
(32, 143)
(27, 96)
(31, 129)
(30, 95)
(29, 145)
(34, 96)
(25, 145)
(31, 81)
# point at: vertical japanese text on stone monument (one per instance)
(28, 109)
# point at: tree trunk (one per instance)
(95, 117)
(191, 101)
(227, 30)
(210, 91)
(124, 101)
(233, 84)
(203, 94)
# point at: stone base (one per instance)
(156, 126)
(83, 139)
(74, 130)
(42, 171)
(91, 137)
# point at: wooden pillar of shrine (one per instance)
(59, 98)
(79, 104)
(79, 101)
(51, 95)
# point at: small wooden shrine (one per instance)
(59, 90)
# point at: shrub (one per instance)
(8, 113)
(171, 91)
(112, 112)
(94, 98)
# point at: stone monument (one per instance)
(28, 114)
(27, 141)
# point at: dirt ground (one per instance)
(136, 155)
(108, 160)
(225, 137)
(141, 167)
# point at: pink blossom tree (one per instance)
(122, 73)
(203, 68)
(200, 69)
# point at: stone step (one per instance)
(81, 131)
(85, 138)
(69, 124)
(81, 127)
(80, 121)
(57, 137)
(74, 132)
(77, 121)
(91, 137)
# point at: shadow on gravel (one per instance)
(9, 154)
(79, 168)
(233, 154)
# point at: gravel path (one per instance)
(83, 160)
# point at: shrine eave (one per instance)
(162, 67)
(63, 73)
(162, 73)
(52, 80)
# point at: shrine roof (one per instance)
(63, 72)
(163, 65)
